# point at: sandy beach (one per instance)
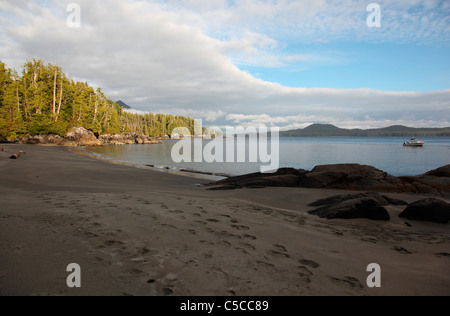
(141, 232)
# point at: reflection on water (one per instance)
(387, 154)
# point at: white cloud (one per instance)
(180, 57)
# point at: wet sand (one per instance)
(142, 232)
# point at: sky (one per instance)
(283, 63)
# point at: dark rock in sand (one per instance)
(381, 199)
(429, 210)
(360, 207)
(286, 177)
(348, 176)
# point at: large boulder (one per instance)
(429, 210)
(348, 176)
(147, 140)
(358, 207)
(53, 139)
(79, 136)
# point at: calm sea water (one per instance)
(385, 153)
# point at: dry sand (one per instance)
(142, 232)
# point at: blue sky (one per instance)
(285, 63)
(381, 66)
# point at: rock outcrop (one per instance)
(436, 182)
(348, 176)
(128, 139)
(344, 177)
(79, 136)
(44, 140)
(368, 206)
(429, 210)
(286, 177)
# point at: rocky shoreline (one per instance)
(79, 136)
(353, 177)
(344, 177)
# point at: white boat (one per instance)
(414, 143)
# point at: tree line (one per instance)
(42, 100)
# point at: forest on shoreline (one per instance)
(43, 100)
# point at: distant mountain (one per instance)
(124, 105)
(327, 130)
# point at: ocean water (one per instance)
(385, 153)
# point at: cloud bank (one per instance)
(183, 57)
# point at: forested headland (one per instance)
(43, 100)
(327, 130)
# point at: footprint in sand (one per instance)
(280, 248)
(226, 243)
(225, 234)
(371, 240)
(305, 274)
(212, 220)
(350, 282)
(281, 251)
(247, 245)
(265, 264)
(402, 250)
(309, 263)
(240, 227)
(250, 237)
(278, 254)
(176, 211)
(442, 255)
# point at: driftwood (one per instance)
(17, 155)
